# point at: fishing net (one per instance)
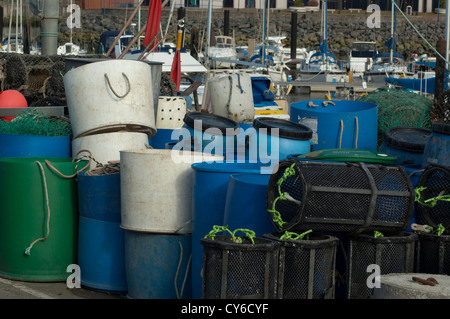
(34, 122)
(441, 108)
(399, 108)
(36, 77)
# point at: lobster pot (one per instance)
(232, 96)
(239, 270)
(347, 124)
(21, 145)
(106, 147)
(433, 254)
(209, 191)
(306, 267)
(340, 197)
(39, 197)
(110, 96)
(437, 147)
(436, 181)
(393, 254)
(405, 143)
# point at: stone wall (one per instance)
(343, 27)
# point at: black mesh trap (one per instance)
(239, 270)
(433, 254)
(307, 267)
(393, 254)
(339, 197)
(435, 181)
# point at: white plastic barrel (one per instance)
(156, 189)
(109, 96)
(232, 97)
(106, 147)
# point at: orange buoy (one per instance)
(11, 98)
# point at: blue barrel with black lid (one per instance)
(209, 133)
(437, 148)
(406, 143)
(282, 136)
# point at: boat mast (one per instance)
(393, 26)
(208, 31)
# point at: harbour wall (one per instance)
(343, 27)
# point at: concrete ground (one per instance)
(11, 289)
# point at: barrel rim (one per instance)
(288, 128)
(391, 138)
(190, 117)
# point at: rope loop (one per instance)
(112, 90)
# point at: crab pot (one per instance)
(433, 254)
(340, 197)
(392, 254)
(306, 267)
(239, 270)
(436, 180)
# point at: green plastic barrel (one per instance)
(38, 218)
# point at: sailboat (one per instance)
(69, 48)
(391, 64)
(322, 65)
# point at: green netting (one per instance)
(399, 108)
(34, 122)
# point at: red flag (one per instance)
(153, 23)
(175, 72)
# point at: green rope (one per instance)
(250, 234)
(438, 231)
(295, 236)
(290, 171)
(431, 202)
(377, 234)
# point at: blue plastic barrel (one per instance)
(246, 206)
(100, 238)
(209, 133)
(293, 138)
(437, 148)
(210, 185)
(347, 124)
(21, 145)
(162, 137)
(405, 143)
(157, 265)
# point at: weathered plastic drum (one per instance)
(437, 148)
(110, 96)
(209, 133)
(20, 145)
(162, 137)
(101, 254)
(405, 143)
(157, 265)
(347, 124)
(280, 136)
(26, 252)
(245, 205)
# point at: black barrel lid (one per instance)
(441, 128)
(406, 138)
(287, 129)
(210, 120)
